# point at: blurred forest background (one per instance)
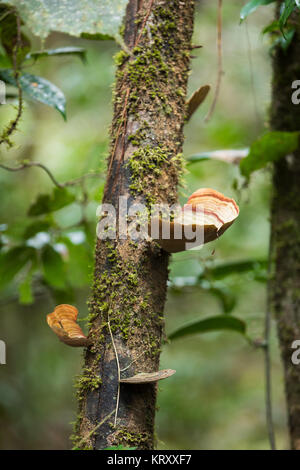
(216, 398)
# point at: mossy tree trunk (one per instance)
(130, 277)
(284, 285)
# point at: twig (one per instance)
(51, 176)
(249, 51)
(220, 65)
(119, 373)
(144, 23)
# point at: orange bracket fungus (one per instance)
(63, 322)
(203, 219)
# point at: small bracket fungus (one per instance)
(147, 377)
(63, 322)
(203, 219)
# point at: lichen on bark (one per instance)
(130, 277)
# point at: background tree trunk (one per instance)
(130, 277)
(284, 285)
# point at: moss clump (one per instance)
(120, 57)
(88, 381)
(124, 437)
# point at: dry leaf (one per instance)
(63, 322)
(195, 100)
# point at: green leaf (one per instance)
(60, 51)
(236, 267)
(274, 26)
(79, 263)
(269, 148)
(38, 89)
(12, 261)
(53, 267)
(288, 8)
(217, 323)
(72, 16)
(46, 203)
(224, 294)
(36, 227)
(251, 6)
(25, 288)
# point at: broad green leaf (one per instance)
(80, 259)
(236, 267)
(53, 267)
(218, 289)
(251, 6)
(288, 8)
(38, 89)
(60, 51)
(72, 16)
(46, 203)
(5, 62)
(36, 227)
(224, 294)
(217, 323)
(25, 288)
(269, 148)
(12, 261)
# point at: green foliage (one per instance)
(269, 148)
(38, 89)
(47, 203)
(217, 323)
(287, 8)
(53, 267)
(79, 16)
(13, 260)
(251, 6)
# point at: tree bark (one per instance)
(130, 278)
(284, 285)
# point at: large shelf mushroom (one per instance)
(63, 322)
(203, 219)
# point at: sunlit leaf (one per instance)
(38, 89)
(269, 148)
(217, 323)
(72, 16)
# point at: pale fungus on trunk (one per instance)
(205, 217)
